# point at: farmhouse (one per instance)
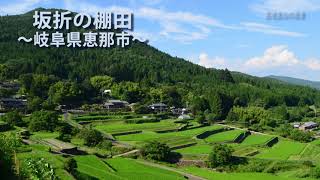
(12, 103)
(178, 111)
(158, 107)
(115, 104)
(308, 126)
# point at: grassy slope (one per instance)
(283, 150)
(197, 149)
(121, 168)
(256, 139)
(116, 127)
(171, 138)
(212, 175)
(224, 136)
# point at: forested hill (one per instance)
(297, 81)
(140, 67)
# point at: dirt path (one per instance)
(127, 153)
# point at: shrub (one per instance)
(201, 119)
(64, 137)
(105, 145)
(13, 118)
(39, 169)
(91, 137)
(43, 120)
(156, 151)
(221, 155)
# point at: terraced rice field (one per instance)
(196, 149)
(224, 136)
(256, 139)
(213, 175)
(283, 150)
(182, 136)
(118, 127)
(130, 169)
(121, 168)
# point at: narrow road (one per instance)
(127, 153)
(189, 176)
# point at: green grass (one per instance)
(224, 136)
(312, 153)
(121, 168)
(130, 169)
(44, 135)
(93, 166)
(173, 137)
(256, 139)
(196, 149)
(117, 127)
(283, 150)
(213, 175)
(316, 142)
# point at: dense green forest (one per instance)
(139, 73)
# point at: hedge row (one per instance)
(126, 133)
(209, 133)
(141, 120)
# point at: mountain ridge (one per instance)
(296, 81)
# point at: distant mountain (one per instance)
(296, 81)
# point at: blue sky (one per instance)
(220, 34)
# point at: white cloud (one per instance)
(266, 6)
(179, 26)
(276, 60)
(216, 62)
(312, 63)
(272, 57)
(183, 26)
(267, 29)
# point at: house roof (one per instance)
(108, 104)
(158, 104)
(117, 101)
(310, 123)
